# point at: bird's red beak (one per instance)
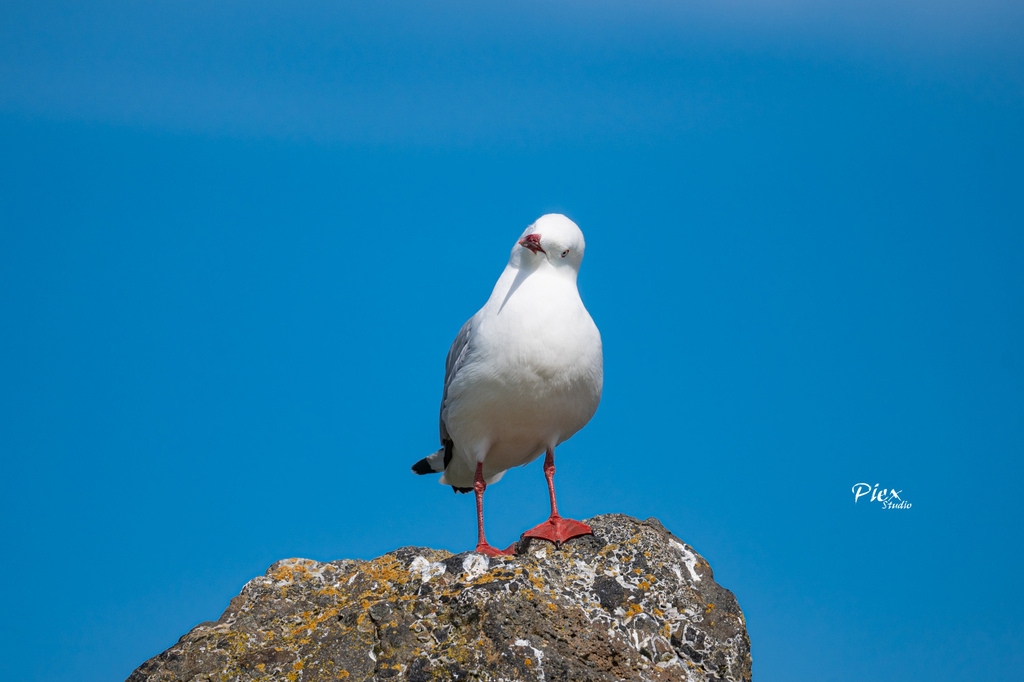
(531, 242)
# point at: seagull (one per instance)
(523, 375)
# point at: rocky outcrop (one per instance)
(631, 602)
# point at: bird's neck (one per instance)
(543, 276)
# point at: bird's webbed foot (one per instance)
(558, 530)
(484, 548)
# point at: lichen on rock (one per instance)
(631, 602)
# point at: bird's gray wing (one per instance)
(456, 357)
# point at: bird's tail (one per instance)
(431, 464)
(455, 471)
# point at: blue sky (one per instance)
(236, 242)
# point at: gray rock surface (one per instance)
(631, 602)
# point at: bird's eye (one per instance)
(565, 253)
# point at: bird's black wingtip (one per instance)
(422, 467)
(457, 489)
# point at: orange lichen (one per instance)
(633, 610)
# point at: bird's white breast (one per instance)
(533, 376)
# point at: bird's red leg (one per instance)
(481, 543)
(556, 529)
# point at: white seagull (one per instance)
(523, 375)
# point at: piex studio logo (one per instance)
(888, 497)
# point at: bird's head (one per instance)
(553, 238)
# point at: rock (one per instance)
(631, 602)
